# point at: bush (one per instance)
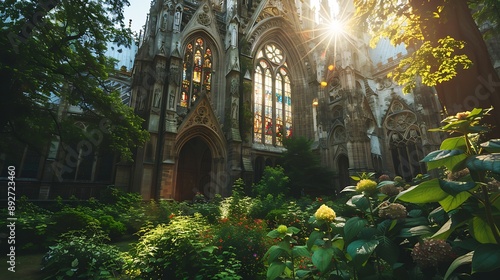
(246, 239)
(31, 226)
(114, 229)
(78, 255)
(262, 206)
(273, 182)
(171, 251)
(71, 219)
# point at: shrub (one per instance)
(80, 255)
(114, 229)
(70, 219)
(171, 251)
(31, 226)
(261, 206)
(246, 239)
(273, 182)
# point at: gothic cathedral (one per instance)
(220, 84)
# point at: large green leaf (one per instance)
(452, 202)
(452, 159)
(359, 201)
(464, 259)
(492, 146)
(489, 162)
(315, 235)
(322, 258)
(455, 187)
(415, 231)
(454, 143)
(274, 253)
(482, 231)
(275, 270)
(361, 250)
(300, 251)
(486, 258)
(428, 191)
(353, 226)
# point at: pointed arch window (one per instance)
(197, 72)
(272, 97)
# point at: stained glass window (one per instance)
(272, 97)
(197, 72)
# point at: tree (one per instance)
(52, 54)
(449, 50)
(303, 168)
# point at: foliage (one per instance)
(80, 255)
(70, 219)
(31, 226)
(469, 196)
(409, 23)
(245, 238)
(262, 206)
(170, 251)
(273, 182)
(53, 52)
(237, 205)
(114, 229)
(303, 168)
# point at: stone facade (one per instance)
(204, 66)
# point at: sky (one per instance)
(137, 11)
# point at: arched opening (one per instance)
(343, 164)
(194, 168)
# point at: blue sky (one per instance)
(137, 11)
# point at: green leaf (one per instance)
(300, 251)
(464, 259)
(349, 189)
(449, 158)
(322, 258)
(293, 230)
(452, 202)
(454, 187)
(353, 226)
(315, 235)
(359, 201)
(274, 253)
(74, 263)
(275, 270)
(486, 258)
(339, 244)
(482, 231)
(425, 192)
(492, 146)
(489, 162)
(441, 154)
(444, 231)
(361, 250)
(415, 231)
(454, 143)
(274, 234)
(302, 273)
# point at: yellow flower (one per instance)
(325, 213)
(366, 185)
(282, 229)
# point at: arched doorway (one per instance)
(343, 165)
(194, 168)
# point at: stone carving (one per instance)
(204, 18)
